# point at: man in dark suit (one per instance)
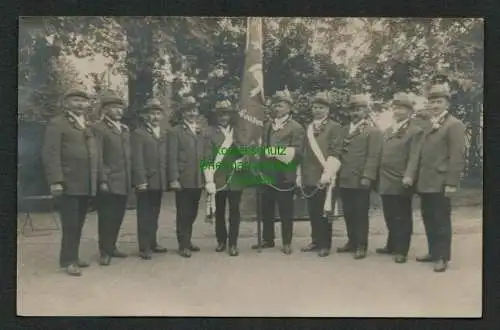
(71, 159)
(441, 164)
(114, 142)
(186, 151)
(222, 171)
(282, 140)
(318, 171)
(358, 173)
(397, 174)
(149, 175)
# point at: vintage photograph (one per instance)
(250, 166)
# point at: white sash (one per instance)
(327, 207)
(228, 141)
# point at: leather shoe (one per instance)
(146, 255)
(399, 259)
(310, 248)
(82, 264)
(287, 249)
(194, 248)
(360, 254)
(119, 254)
(425, 258)
(440, 266)
(105, 260)
(346, 248)
(233, 251)
(159, 249)
(263, 245)
(324, 253)
(384, 250)
(73, 270)
(185, 253)
(220, 248)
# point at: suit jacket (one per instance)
(71, 157)
(400, 155)
(360, 156)
(330, 141)
(149, 158)
(115, 156)
(186, 152)
(290, 135)
(214, 138)
(442, 158)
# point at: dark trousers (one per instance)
(186, 202)
(221, 232)
(284, 199)
(73, 211)
(398, 214)
(110, 212)
(321, 228)
(356, 203)
(148, 211)
(436, 213)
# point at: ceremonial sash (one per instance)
(327, 207)
(228, 141)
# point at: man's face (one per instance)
(223, 118)
(280, 109)
(77, 104)
(114, 111)
(400, 112)
(358, 112)
(437, 105)
(154, 117)
(191, 115)
(319, 110)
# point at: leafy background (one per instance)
(165, 57)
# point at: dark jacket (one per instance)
(442, 159)
(186, 152)
(71, 157)
(116, 156)
(149, 158)
(400, 154)
(360, 156)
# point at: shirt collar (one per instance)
(80, 119)
(355, 126)
(437, 118)
(191, 126)
(397, 125)
(114, 122)
(320, 121)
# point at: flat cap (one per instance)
(110, 98)
(224, 105)
(76, 92)
(439, 90)
(360, 100)
(282, 96)
(151, 104)
(403, 99)
(322, 98)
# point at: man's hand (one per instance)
(449, 190)
(365, 182)
(142, 187)
(175, 185)
(407, 182)
(104, 187)
(210, 188)
(56, 189)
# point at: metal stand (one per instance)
(28, 220)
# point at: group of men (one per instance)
(421, 153)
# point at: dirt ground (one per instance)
(253, 284)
